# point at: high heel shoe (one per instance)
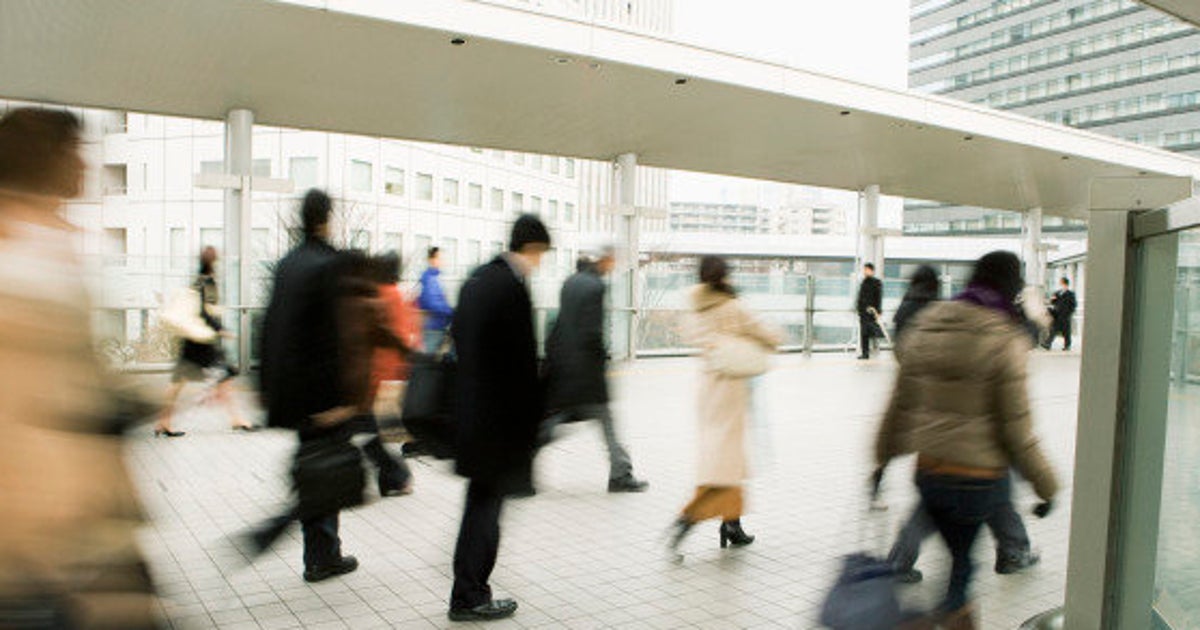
(679, 529)
(168, 433)
(733, 534)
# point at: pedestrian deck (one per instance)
(574, 556)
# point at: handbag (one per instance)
(428, 406)
(734, 356)
(328, 475)
(864, 596)
(181, 317)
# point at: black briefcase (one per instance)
(428, 412)
(329, 476)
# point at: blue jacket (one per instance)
(433, 301)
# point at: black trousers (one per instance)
(866, 332)
(322, 546)
(478, 543)
(1060, 327)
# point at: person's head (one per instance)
(925, 280)
(208, 260)
(433, 256)
(714, 274)
(315, 211)
(869, 270)
(607, 260)
(1064, 282)
(39, 153)
(387, 267)
(530, 239)
(1001, 272)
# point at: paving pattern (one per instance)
(575, 556)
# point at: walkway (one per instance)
(573, 556)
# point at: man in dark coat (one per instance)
(576, 366)
(499, 407)
(302, 382)
(923, 290)
(869, 307)
(1062, 307)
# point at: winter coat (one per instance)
(913, 303)
(432, 300)
(499, 397)
(723, 404)
(300, 369)
(576, 353)
(403, 318)
(870, 295)
(960, 398)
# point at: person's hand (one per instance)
(333, 417)
(1041, 510)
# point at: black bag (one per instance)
(329, 476)
(428, 412)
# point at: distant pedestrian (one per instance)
(499, 407)
(723, 405)
(433, 302)
(869, 307)
(304, 386)
(923, 289)
(197, 359)
(961, 404)
(577, 363)
(1062, 307)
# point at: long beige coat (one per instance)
(724, 403)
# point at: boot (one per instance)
(733, 534)
(679, 530)
(961, 619)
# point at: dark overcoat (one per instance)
(576, 354)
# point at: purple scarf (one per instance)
(989, 298)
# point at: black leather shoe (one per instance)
(348, 564)
(629, 483)
(491, 611)
(1015, 563)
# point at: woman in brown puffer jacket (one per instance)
(961, 404)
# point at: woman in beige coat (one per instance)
(724, 408)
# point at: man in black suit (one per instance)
(499, 407)
(577, 365)
(302, 383)
(869, 307)
(1062, 307)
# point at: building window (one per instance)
(115, 247)
(211, 237)
(449, 255)
(536, 162)
(552, 210)
(518, 203)
(475, 196)
(179, 248)
(394, 242)
(393, 181)
(450, 192)
(360, 240)
(360, 176)
(261, 167)
(518, 158)
(570, 167)
(497, 200)
(423, 244)
(569, 213)
(303, 172)
(553, 164)
(424, 187)
(474, 253)
(116, 179)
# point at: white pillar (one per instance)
(239, 140)
(1031, 249)
(870, 239)
(625, 293)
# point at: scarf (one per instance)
(989, 298)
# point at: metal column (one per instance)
(870, 236)
(626, 294)
(1031, 249)
(239, 141)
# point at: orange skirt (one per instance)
(725, 502)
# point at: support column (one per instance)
(239, 140)
(870, 238)
(625, 293)
(1031, 249)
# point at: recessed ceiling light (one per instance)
(1143, 173)
(845, 112)
(1066, 157)
(458, 41)
(681, 81)
(968, 138)
(595, 65)
(562, 61)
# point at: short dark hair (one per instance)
(387, 267)
(432, 252)
(315, 210)
(870, 266)
(528, 230)
(1000, 271)
(714, 273)
(39, 152)
(1065, 280)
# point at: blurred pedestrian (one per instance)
(499, 406)
(303, 382)
(197, 359)
(923, 288)
(577, 364)
(961, 404)
(69, 554)
(723, 405)
(433, 302)
(1062, 307)
(869, 306)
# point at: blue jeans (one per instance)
(959, 506)
(1012, 541)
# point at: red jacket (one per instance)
(404, 319)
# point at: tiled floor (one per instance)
(574, 556)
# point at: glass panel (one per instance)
(1177, 581)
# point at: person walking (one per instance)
(869, 306)
(1062, 307)
(962, 405)
(499, 407)
(196, 359)
(724, 408)
(302, 375)
(577, 363)
(432, 301)
(924, 287)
